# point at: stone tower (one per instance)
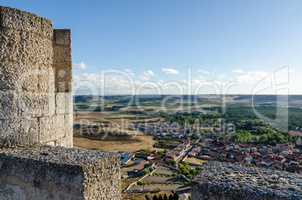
(36, 118)
(35, 81)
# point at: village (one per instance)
(163, 170)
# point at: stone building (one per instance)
(36, 118)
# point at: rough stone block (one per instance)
(47, 28)
(63, 78)
(25, 47)
(8, 105)
(35, 49)
(19, 77)
(62, 61)
(47, 80)
(23, 60)
(51, 128)
(58, 173)
(9, 44)
(26, 104)
(62, 37)
(37, 104)
(20, 20)
(19, 131)
(62, 54)
(231, 182)
(66, 141)
(64, 104)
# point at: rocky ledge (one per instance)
(233, 182)
(58, 155)
(58, 173)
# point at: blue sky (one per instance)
(156, 41)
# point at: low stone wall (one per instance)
(58, 173)
(234, 182)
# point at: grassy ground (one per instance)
(129, 145)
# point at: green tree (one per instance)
(243, 137)
(184, 169)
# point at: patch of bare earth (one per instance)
(132, 144)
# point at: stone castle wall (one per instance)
(36, 118)
(56, 173)
(35, 67)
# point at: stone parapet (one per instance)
(58, 173)
(234, 182)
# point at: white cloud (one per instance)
(203, 72)
(238, 71)
(81, 66)
(130, 72)
(147, 75)
(150, 72)
(170, 71)
(119, 82)
(103, 84)
(251, 77)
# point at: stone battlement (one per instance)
(58, 173)
(234, 182)
(36, 118)
(35, 81)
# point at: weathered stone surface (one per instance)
(66, 141)
(37, 105)
(19, 132)
(52, 128)
(27, 22)
(18, 77)
(25, 47)
(62, 60)
(9, 105)
(26, 104)
(47, 80)
(234, 182)
(62, 37)
(62, 54)
(36, 109)
(30, 71)
(25, 79)
(64, 103)
(58, 173)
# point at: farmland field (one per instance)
(132, 144)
